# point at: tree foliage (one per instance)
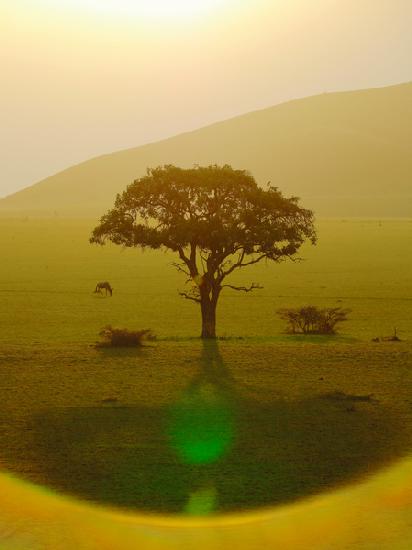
(215, 218)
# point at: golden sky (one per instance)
(86, 77)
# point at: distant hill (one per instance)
(345, 154)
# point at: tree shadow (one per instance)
(213, 450)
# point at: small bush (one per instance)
(122, 337)
(313, 320)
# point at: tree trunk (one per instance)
(208, 309)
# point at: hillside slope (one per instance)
(344, 154)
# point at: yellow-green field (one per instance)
(96, 423)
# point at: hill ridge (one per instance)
(344, 153)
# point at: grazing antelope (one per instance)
(106, 286)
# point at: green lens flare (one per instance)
(202, 502)
(201, 427)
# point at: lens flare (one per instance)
(201, 429)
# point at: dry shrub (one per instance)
(313, 320)
(122, 337)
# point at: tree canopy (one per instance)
(215, 218)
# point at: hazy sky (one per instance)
(81, 78)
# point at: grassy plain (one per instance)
(94, 422)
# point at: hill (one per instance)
(345, 154)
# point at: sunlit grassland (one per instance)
(50, 318)
(49, 271)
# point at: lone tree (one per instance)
(215, 218)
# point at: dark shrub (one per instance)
(313, 320)
(122, 337)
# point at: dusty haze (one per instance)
(77, 83)
(344, 154)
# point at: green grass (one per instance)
(49, 267)
(96, 423)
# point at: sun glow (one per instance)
(176, 9)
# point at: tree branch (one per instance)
(193, 263)
(255, 261)
(253, 286)
(181, 269)
(189, 297)
(240, 263)
(183, 257)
